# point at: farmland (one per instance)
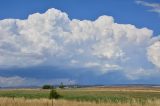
(109, 95)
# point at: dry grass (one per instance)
(47, 102)
(97, 96)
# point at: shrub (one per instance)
(47, 87)
(54, 94)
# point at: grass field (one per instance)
(141, 96)
(47, 102)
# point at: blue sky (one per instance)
(120, 39)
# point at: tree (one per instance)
(54, 94)
(61, 86)
(47, 87)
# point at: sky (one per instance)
(79, 42)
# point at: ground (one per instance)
(139, 95)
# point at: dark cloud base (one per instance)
(81, 76)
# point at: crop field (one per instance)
(84, 96)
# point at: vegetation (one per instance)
(53, 94)
(47, 87)
(28, 94)
(48, 102)
(99, 96)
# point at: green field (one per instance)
(87, 95)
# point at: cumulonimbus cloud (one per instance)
(154, 53)
(53, 39)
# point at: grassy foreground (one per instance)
(93, 96)
(47, 102)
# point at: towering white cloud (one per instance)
(154, 53)
(54, 39)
